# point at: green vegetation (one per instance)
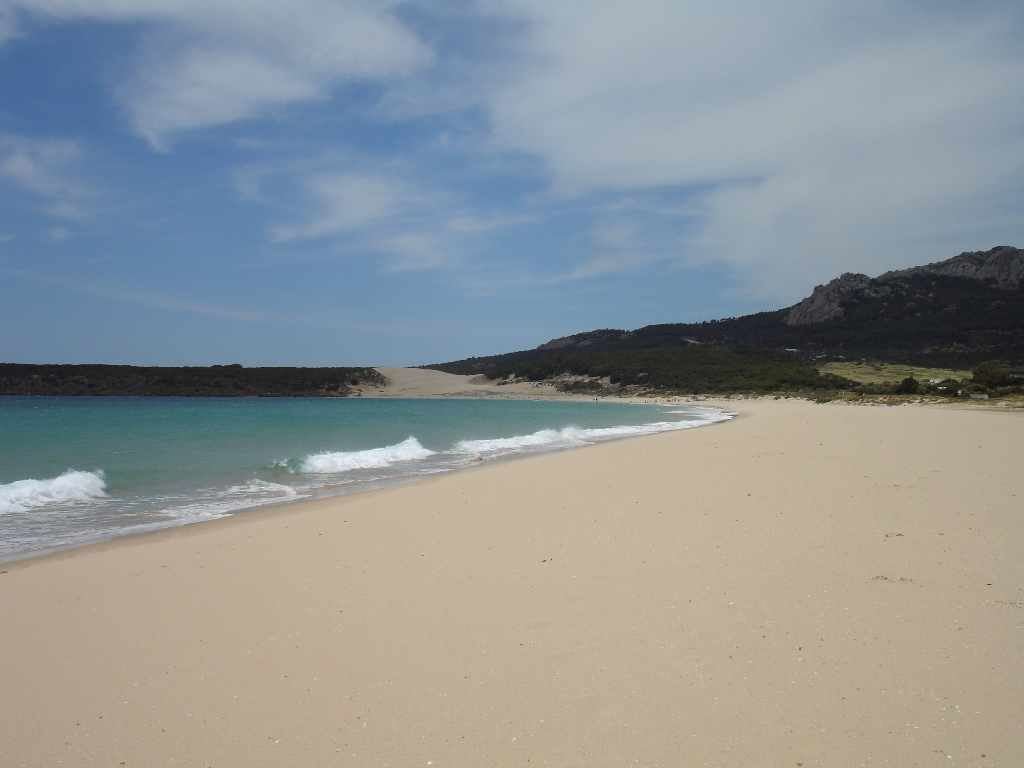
(909, 386)
(930, 321)
(208, 381)
(991, 378)
(620, 363)
(926, 327)
(691, 368)
(993, 373)
(890, 373)
(927, 320)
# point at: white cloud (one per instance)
(415, 252)
(604, 264)
(45, 169)
(212, 62)
(346, 202)
(618, 244)
(814, 137)
(360, 212)
(360, 206)
(8, 27)
(472, 224)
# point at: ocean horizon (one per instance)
(77, 470)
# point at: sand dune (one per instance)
(418, 382)
(807, 585)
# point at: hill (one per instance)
(208, 381)
(953, 314)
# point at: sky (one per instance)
(331, 182)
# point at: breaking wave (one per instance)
(74, 507)
(566, 437)
(71, 486)
(257, 487)
(334, 462)
(570, 437)
(213, 504)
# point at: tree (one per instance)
(992, 373)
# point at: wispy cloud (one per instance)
(616, 245)
(8, 27)
(786, 146)
(156, 300)
(215, 62)
(809, 141)
(471, 224)
(386, 215)
(393, 212)
(138, 296)
(416, 252)
(45, 168)
(345, 202)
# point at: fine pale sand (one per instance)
(420, 382)
(808, 585)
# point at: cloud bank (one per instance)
(788, 144)
(813, 137)
(206, 63)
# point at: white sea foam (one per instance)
(570, 437)
(259, 488)
(333, 462)
(211, 504)
(566, 437)
(73, 485)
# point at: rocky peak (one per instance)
(826, 301)
(1002, 266)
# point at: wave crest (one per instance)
(71, 486)
(545, 438)
(571, 437)
(257, 487)
(334, 462)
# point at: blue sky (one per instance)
(331, 182)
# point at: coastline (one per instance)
(416, 469)
(816, 583)
(341, 494)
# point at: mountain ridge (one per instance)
(953, 313)
(1001, 267)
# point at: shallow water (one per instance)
(76, 470)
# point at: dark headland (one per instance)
(941, 321)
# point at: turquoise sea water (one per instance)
(75, 470)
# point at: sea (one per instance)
(76, 470)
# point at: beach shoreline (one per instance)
(808, 583)
(413, 469)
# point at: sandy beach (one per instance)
(807, 585)
(422, 382)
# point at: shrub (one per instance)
(992, 374)
(909, 386)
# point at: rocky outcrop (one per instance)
(1002, 267)
(951, 314)
(826, 301)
